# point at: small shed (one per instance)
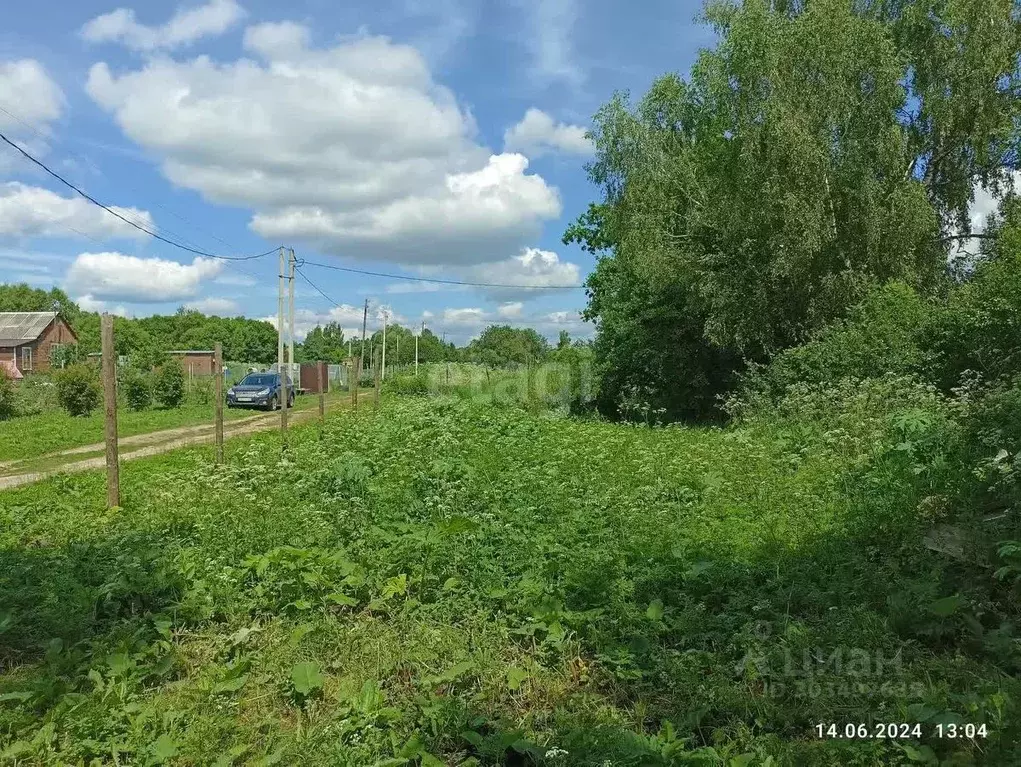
(31, 339)
(310, 375)
(196, 362)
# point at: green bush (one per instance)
(169, 385)
(78, 389)
(880, 336)
(147, 355)
(6, 397)
(34, 395)
(980, 328)
(138, 388)
(202, 389)
(408, 385)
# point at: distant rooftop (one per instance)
(17, 328)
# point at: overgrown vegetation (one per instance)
(468, 576)
(7, 402)
(816, 153)
(78, 389)
(136, 386)
(168, 386)
(446, 582)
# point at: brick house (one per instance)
(29, 339)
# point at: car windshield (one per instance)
(264, 379)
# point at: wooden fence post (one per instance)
(352, 384)
(113, 480)
(322, 394)
(218, 356)
(375, 399)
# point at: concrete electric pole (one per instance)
(383, 369)
(280, 338)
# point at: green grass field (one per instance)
(448, 583)
(36, 435)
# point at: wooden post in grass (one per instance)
(352, 383)
(218, 357)
(113, 479)
(375, 398)
(322, 394)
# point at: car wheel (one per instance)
(273, 404)
(290, 401)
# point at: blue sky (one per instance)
(440, 138)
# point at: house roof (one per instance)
(17, 328)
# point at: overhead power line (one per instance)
(440, 281)
(95, 168)
(316, 287)
(125, 219)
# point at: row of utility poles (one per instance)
(285, 367)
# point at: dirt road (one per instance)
(26, 471)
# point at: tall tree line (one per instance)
(821, 149)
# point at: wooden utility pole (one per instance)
(397, 354)
(322, 393)
(113, 479)
(280, 345)
(218, 354)
(375, 398)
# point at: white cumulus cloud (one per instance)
(538, 134)
(353, 149)
(222, 307)
(185, 27)
(89, 304)
(510, 310)
(347, 316)
(33, 101)
(28, 92)
(31, 211)
(463, 324)
(531, 268)
(119, 277)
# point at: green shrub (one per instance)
(78, 389)
(34, 395)
(6, 397)
(980, 329)
(169, 385)
(880, 336)
(148, 356)
(202, 389)
(408, 385)
(138, 388)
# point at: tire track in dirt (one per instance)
(154, 443)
